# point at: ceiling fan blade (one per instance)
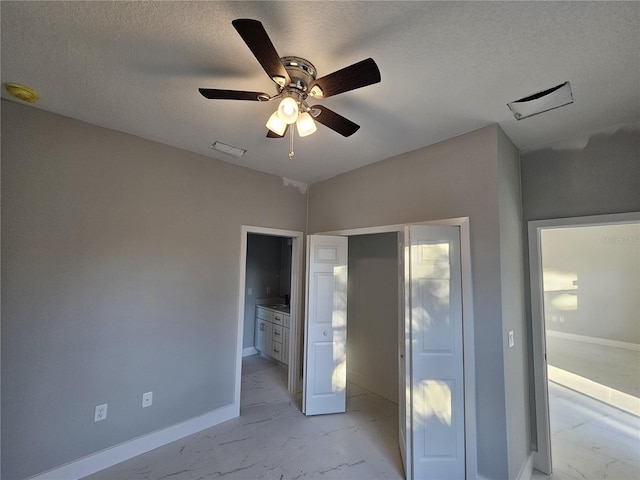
(271, 134)
(354, 76)
(256, 38)
(331, 119)
(215, 94)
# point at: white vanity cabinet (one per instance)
(272, 333)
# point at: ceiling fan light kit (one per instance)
(305, 124)
(288, 110)
(295, 80)
(276, 124)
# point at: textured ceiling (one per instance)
(447, 68)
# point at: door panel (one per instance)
(433, 312)
(325, 373)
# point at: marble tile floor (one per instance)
(272, 439)
(590, 439)
(617, 368)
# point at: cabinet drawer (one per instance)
(277, 351)
(286, 320)
(277, 317)
(264, 314)
(277, 333)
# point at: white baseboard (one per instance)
(249, 351)
(119, 453)
(594, 340)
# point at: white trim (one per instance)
(542, 457)
(454, 222)
(594, 340)
(526, 469)
(468, 324)
(295, 374)
(119, 453)
(247, 352)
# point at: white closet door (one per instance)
(325, 372)
(434, 350)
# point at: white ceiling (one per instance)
(447, 68)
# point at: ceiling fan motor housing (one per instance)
(302, 73)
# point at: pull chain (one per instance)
(291, 152)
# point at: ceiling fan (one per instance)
(296, 81)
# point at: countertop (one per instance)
(278, 307)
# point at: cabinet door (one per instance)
(268, 338)
(285, 346)
(259, 337)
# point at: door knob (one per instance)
(324, 333)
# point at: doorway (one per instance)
(262, 282)
(585, 275)
(433, 302)
(266, 299)
(372, 312)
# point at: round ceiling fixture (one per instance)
(22, 92)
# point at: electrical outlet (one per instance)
(101, 413)
(511, 339)
(147, 399)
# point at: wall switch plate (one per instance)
(268, 290)
(101, 413)
(511, 339)
(250, 291)
(147, 399)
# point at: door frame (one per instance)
(542, 460)
(294, 367)
(471, 451)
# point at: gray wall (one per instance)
(286, 252)
(454, 178)
(605, 260)
(601, 177)
(120, 261)
(267, 264)
(372, 329)
(513, 303)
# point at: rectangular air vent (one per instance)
(540, 102)
(228, 149)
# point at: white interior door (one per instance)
(325, 372)
(435, 439)
(404, 373)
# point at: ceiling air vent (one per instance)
(228, 149)
(540, 102)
